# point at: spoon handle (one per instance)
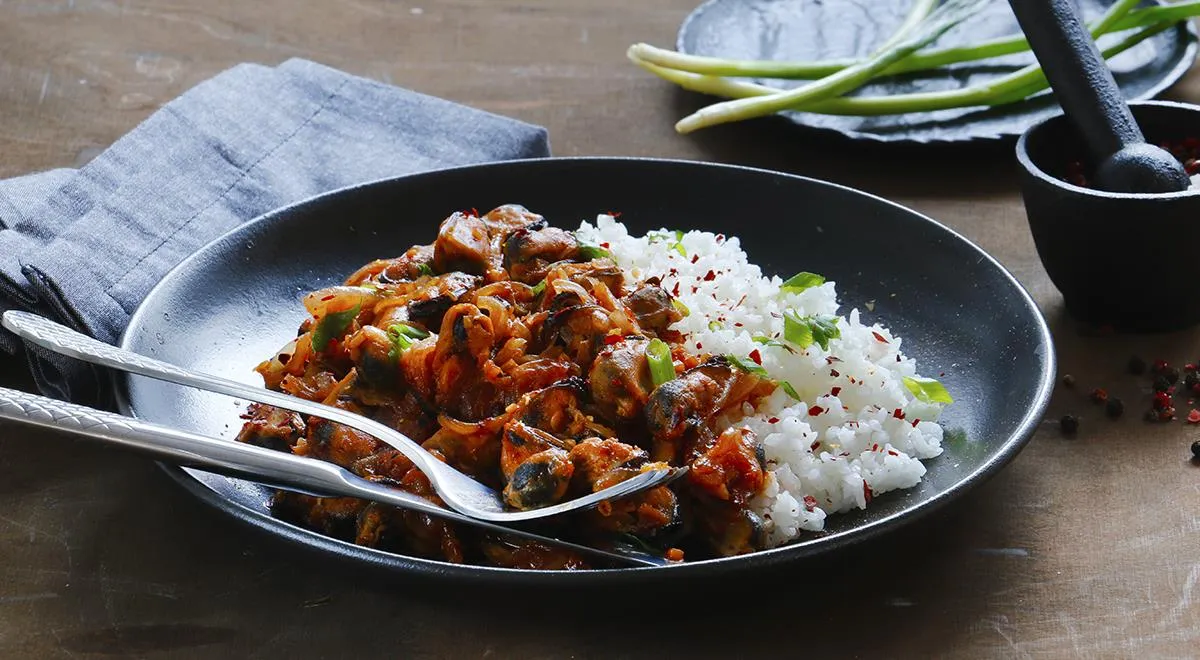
(1082, 82)
(265, 466)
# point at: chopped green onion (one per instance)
(747, 365)
(928, 390)
(663, 235)
(590, 252)
(333, 325)
(713, 326)
(767, 341)
(683, 309)
(801, 281)
(425, 269)
(403, 336)
(791, 391)
(804, 331)
(539, 288)
(658, 356)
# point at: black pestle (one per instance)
(1088, 94)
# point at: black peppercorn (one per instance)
(1069, 424)
(1196, 449)
(1114, 407)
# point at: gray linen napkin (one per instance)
(85, 246)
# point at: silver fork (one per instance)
(273, 468)
(459, 491)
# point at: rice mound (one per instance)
(865, 440)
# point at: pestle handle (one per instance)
(1082, 82)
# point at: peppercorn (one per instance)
(1196, 449)
(1171, 374)
(1191, 380)
(1068, 381)
(1161, 384)
(1114, 408)
(1137, 366)
(1069, 424)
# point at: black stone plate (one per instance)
(827, 29)
(238, 300)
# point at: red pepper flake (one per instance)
(832, 358)
(615, 214)
(773, 420)
(675, 290)
(867, 492)
(1162, 400)
(327, 298)
(942, 375)
(699, 346)
(810, 503)
(915, 422)
(875, 447)
(695, 258)
(834, 372)
(710, 276)
(756, 356)
(898, 414)
(609, 340)
(737, 325)
(1099, 395)
(673, 272)
(1193, 416)
(835, 391)
(815, 446)
(892, 453)
(720, 238)
(739, 302)
(815, 410)
(604, 245)
(880, 338)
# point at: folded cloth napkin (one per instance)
(85, 246)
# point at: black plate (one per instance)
(238, 299)
(827, 29)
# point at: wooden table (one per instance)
(1086, 547)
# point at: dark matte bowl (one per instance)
(1119, 259)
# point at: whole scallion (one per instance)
(716, 76)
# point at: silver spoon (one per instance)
(460, 492)
(274, 468)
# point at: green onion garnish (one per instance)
(591, 252)
(791, 391)
(333, 325)
(801, 281)
(747, 365)
(539, 288)
(713, 326)
(928, 390)
(403, 336)
(803, 331)
(683, 309)
(658, 356)
(425, 269)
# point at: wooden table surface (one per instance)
(1085, 547)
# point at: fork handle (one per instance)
(265, 466)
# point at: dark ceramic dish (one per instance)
(825, 29)
(1119, 259)
(960, 312)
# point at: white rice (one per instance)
(858, 442)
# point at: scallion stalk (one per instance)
(658, 357)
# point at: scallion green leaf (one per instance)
(683, 309)
(658, 357)
(333, 325)
(425, 269)
(403, 336)
(539, 288)
(928, 390)
(591, 252)
(713, 326)
(804, 331)
(801, 281)
(747, 365)
(791, 391)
